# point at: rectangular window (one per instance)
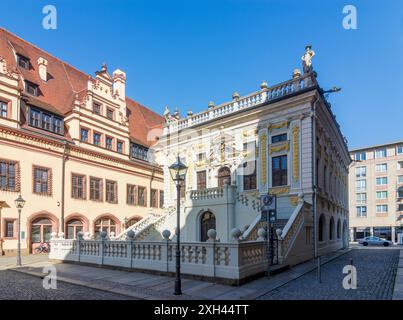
(361, 184)
(139, 152)
(380, 153)
(400, 179)
(399, 149)
(201, 156)
(97, 139)
(109, 113)
(31, 88)
(141, 196)
(78, 186)
(279, 171)
(119, 146)
(400, 207)
(249, 175)
(154, 198)
(34, 117)
(381, 195)
(361, 211)
(109, 143)
(131, 194)
(381, 167)
(361, 198)
(161, 199)
(23, 62)
(84, 135)
(46, 121)
(42, 181)
(201, 180)
(9, 228)
(96, 108)
(3, 109)
(400, 165)
(8, 175)
(361, 172)
(381, 181)
(111, 191)
(382, 208)
(360, 156)
(400, 193)
(95, 189)
(57, 125)
(279, 138)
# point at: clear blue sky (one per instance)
(186, 53)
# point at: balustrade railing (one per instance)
(232, 261)
(209, 193)
(267, 95)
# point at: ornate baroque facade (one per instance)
(74, 146)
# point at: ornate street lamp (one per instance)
(19, 203)
(178, 173)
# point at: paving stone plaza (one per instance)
(377, 270)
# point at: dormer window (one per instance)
(23, 62)
(31, 88)
(45, 120)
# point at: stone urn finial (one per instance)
(53, 235)
(211, 105)
(236, 96)
(212, 235)
(296, 73)
(235, 234)
(166, 234)
(261, 234)
(130, 235)
(103, 235)
(264, 85)
(61, 235)
(80, 236)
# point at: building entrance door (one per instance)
(41, 230)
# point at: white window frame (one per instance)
(360, 213)
(358, 185)
(382, 181)
(380, 153)
(380, 208)
(380, 165)
(381, 193)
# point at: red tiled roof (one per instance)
(64, 82)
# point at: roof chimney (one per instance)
(119, 83)
(43, 73)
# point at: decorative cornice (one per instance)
(282, 147)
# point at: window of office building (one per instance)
(381, 195)
(361, 211)
(361, 172)
(380, 153)
(381, 181)
(382, 208)
(360, 156)
(361, 198)
(279, 171)
(361, 184)
(381, 167)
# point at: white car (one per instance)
(375, 241)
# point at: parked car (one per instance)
(375, 241)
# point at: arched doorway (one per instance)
(106, 224)
(41, 230)
(321, 233)
(73, 227)
(207, 222)
(331, 228)
(345, 235)
(224, 174)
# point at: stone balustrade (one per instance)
(231, 262)
(269, 94)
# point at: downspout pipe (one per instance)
(63, 185)
(314, 179)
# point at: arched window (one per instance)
(331, 228)
(133, 221)
(73, 227)
(338, 229)
(224, 174)
(41, 230)
(321, 228)
(207, 222)
(104, 224)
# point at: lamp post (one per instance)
(178, 173)
(19, 203)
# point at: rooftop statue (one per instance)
(307, 59)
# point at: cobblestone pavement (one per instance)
(18, 286)
(376, 271)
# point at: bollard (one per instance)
(319, 270)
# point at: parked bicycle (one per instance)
(43, 248)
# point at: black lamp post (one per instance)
(19, 203)
(178, 173)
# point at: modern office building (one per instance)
(74, 146)
(376, 191)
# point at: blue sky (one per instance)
(185, 53)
